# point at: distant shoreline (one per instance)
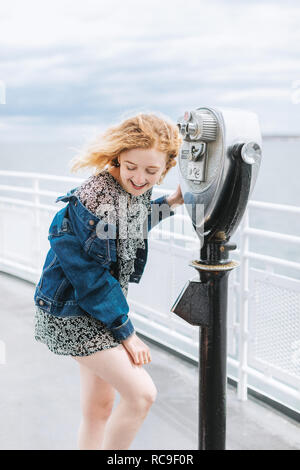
(280, 137)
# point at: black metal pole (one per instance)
(213, 364)
(203, 303)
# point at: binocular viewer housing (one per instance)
(219, 162)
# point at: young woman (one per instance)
(81, 306)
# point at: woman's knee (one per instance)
(151, 395)
(143, 399)
(146, 400)
(133, 383)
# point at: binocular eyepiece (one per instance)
(218, 166)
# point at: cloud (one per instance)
(257, 93)
(68, 65)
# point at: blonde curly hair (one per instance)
(144, 131)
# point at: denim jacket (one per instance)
(77, 276)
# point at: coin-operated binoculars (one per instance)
(218, 166)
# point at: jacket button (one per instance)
(75, 203)
(91, 222)
(41, 302)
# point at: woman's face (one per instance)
(140, 169)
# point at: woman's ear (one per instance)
(116, 161)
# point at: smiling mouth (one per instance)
(138, 187)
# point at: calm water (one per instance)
(278, 182)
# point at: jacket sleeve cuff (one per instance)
(123, 331)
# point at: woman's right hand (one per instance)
(138, 350)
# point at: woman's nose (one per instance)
(139, 179)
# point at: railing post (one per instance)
(2, 353)
(1, 237)
(243, 308)
(37, 224)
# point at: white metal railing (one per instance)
(245, 256)
(24, 257)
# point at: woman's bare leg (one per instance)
(96, 399)
(137, 393)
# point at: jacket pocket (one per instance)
(98, 249)
(101, 249)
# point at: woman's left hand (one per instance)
(175, 199)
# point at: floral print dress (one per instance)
(102, 195)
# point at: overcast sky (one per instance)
(73, 67)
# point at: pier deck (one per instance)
(39, 394)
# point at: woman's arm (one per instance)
(176, 198)
(162, 207)
(96, 290)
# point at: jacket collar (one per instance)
(89, 219)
